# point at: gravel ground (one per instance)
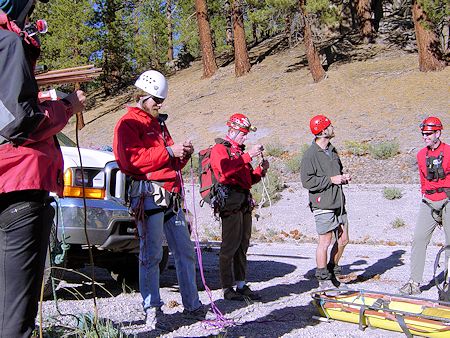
(371, 216)
(281, 268)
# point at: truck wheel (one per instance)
(57, 274)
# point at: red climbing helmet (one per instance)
(431, 124)
(240, 122)
(319, 123)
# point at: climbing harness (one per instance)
(436, 213)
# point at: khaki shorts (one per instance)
(329, 221)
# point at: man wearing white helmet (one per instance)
(145, 151)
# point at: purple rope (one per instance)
(220, 322)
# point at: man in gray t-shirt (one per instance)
(322, 174)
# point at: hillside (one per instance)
(376, 95)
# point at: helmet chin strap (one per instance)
(325, 135)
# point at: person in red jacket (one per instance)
(434, 171)
(235, 174)
(31, 166)
(145, 151)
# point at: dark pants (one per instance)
(25, 223)
(236, 232)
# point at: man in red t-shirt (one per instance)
(434, 171)
(235, 174)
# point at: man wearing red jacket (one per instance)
(434, 171)
(31, 167)
(145, 150)
(233, 170)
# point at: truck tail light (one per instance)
(94, 186)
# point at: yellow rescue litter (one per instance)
(410, 315)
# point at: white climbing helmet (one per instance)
(154, 83)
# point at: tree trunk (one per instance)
(287, 28)
(365, 20)
(353, 13)
(314, 64)
(169, 30)
(204, 31)
(241, 60)
(430, 57)
(377, 6)
(229, 27)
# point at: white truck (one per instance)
(110, 230)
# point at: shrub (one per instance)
(398, 223)
(392, 193)
(293, 163)
(356, 148)
(273, 184)
(384, 150)
(274, 149)
(84, 328)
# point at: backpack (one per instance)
(208, 181)
(19, 111)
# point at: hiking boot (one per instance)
(230, 294)
(410, 288)
(246, 292)
(198, 314)
(325, 284)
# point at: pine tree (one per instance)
(229, 24)
(365, 20)
(315, 66)
(150, 37)
(169, 30)
(114, 18)
(430, 55)
(209, 62)
(71, 38)
(241, 59)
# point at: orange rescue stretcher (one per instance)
(410, 315)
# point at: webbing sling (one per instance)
(401, 322)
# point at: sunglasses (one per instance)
(157, 100)
(427, 134)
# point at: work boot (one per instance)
(410, 288)
(246, 292)
(231, 294)
(198, 314)
(324, 277)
